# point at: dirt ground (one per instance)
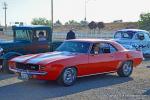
(100, 87)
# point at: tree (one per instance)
(57, 23)
(144, 22)
(72, 22)
(83, 23)
(41, 21)
(100, 25)
(92, 25)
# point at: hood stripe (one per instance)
(44, 57)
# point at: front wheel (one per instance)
(5, 67)
(126, 69)
(68, 77)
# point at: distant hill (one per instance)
(108, 27)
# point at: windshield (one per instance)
(74, 46)
(124, 34)
(23, 35)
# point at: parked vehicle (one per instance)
(134, 39)
(77, 58)
(26, 40)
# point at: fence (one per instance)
(62, 36)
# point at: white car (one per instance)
(134, 39)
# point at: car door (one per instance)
(105, 60)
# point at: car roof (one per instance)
(117, 45)
(32, 27)
(134, 30)
(90, 40)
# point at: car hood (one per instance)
(43, 58)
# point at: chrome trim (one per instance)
(97, 74)
(28, 72)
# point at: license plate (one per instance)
(24, 76)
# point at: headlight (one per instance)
(1, 50)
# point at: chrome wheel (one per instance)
(127, 68)
(69, 76)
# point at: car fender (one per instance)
(10, 54)
(56, 70)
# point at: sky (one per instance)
(64, 10)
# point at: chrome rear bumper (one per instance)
(27, 72)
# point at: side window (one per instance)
(40, 35)
(140, 36)
(112, 49)
(101, 48)
(104, 48)
(95, 48)
(118, 35)
(107, 48)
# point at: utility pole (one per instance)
(85, 9)
(52, 17)
(5, 9)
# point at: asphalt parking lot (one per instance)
(100, 87)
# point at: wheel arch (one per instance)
(66, 68)
(8, 55)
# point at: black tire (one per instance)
(62, 80)
(126, 69)
(5, 67)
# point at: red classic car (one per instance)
(77, 58)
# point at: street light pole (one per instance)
(5, 8)
(52, 17)
(85, 10)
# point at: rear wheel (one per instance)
(68, 77)
(126, 69)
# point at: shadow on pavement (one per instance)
(37, 90)
(4, 76)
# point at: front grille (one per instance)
(27, 66)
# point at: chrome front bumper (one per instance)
(27, 72)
